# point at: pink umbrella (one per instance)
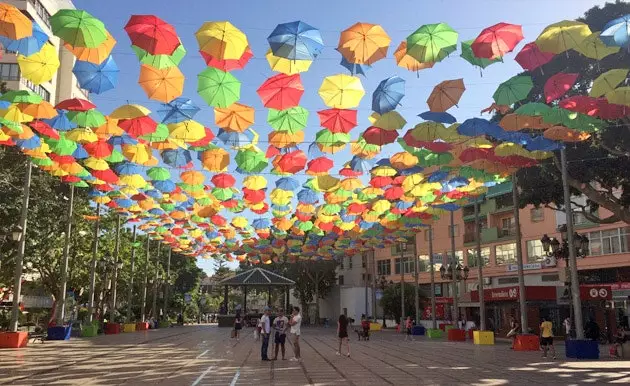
(496, 41)
(531, 57)
(558, 85)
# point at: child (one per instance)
(408, 327)
(546, 337)
(342, 333)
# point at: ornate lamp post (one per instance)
(460, 274)
(382, 284)
(403, 249)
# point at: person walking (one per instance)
(546, 337)
(514, 328)
(238, 325)
(265, 323)
(296, 325)
(280, 325)
(408, 329)
(567, 327)
(342, 333)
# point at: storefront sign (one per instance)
(526, 267)
(595, 292)
(443, 300)
(533, 293)
(620, 286)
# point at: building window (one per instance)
(504, 201)
(409, 266)
(535, 251)
(553, 277)
(609, 242)
(507, 280)
(363, 261)
(428, 233)
(369, 278)
(410, 247)
(340, 278)
(37, 89)
(505, 254)
(449, 257)
(453, 231)
(9, 71)
(350, 262)
(341, 263)
(41, 11)
(384, 267)
(537, 214)
(508, 227)
(472, 257)
(424, 264)
(578, 218)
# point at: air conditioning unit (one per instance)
(487, 281)
(549, 262)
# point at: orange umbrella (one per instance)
(564, 134)
(364, 43)
(446, 95)
(215, 160)
(13, 23)
(96, 55)
(162, 85)
(237, 117)
(42, 110)
(406, 61)
(515, 122)
(282, 139)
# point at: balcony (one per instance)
(488, 235)
(507, 232)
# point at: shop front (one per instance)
(620, 303)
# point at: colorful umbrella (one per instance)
(78, 28)
(237, 117)
(41, 66)
(96, 78)
(608, 81)
(331, 142)
(161, 85)
(388, 94)
(563, 36)
(593, 47)
(290, 120)
(152, 34)
(296, 41)
(558, 85)
(446, 95)
(228, 64)
(13, 23)
(178, 110)
(341, 91)
(355, 69)
(222, 40)
(287, 66)
(377, 136)
(27, 45)
(531, 57)
(469, 56)
(160, 61)
(513, 90)
(337, 120)
(619, 96)
(218, 88)
(136, 127)
(250, 159)
(616, 33)
(432, 42)
(496, 41)
(364, 43)
(215, 160)
(406, 61)
(281, 91)
(94, 55)
(291, 162)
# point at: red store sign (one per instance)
(512, 294)
(595, 292)
(620, 286)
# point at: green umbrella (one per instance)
(83, 173)
(432, 43)
(41, 161)
(583, 122)
(21, 96)
(469, 56)
(61, 146)
(305, 226)
(160, 61)
(331, 209)
(218, 88)
(533, 109)
(158, 174)
(222, 194)
(559, 116)
(513, 90)
(190, 188)
(11, 125)
(292, 120)
(160, 134)
(78, 28)
(329, 139)
(204, 201)
(250, 160)
(115, 157)
(436, 159)
(167, 206)
(89, 118)
(240, 206)
(80, 184)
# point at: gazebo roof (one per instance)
(257, 277)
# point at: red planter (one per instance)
(469, 334)
(112, 328)
(456, 335)
(141, 326)
(527, 343)
(442, 326)
(13, 339)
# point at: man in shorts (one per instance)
(296, 324)
(546, 337)
(280, 324)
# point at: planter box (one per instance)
(434, 333)
(448, 327)
(89, 330)
(442, 326)
(59, 333)
(112, 328)
(456, 335)
(582, 349)
(129, 327)
(13, 339)
(164, 324)
(375, 327)
(483, 337)
(418, 330)
(527, 342)
(142, 326)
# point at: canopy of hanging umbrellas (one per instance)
(208, 189)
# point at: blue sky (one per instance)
(399, 18)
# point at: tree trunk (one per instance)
(317, 298)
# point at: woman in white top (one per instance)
(296, 324)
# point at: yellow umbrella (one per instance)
(364, 43)
(403, 160)
(381, 206)
(507, 149)
(130, 112)
(187, 131)
(96, 164)
(563, 36)
(391, 120)
(341, 91)
(13, 23)
(239, 222)
(287, 66)
(82, 135)
(109, 128)
(139, 153)
(407, 61)
(607, 82)
(619, 96)
(96, 55)
(593, 47)
(162, 85)
(281, 139)
(41, 66)
(222, 40)
(428, 131)
(281, 197)
(383, 171)
(325, 183)
(13, 113)
(192, 177)
(255, 182)
(237, 117)
(133, 180)
(351, 184)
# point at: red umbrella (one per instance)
(377, 136)
(558, 85)
(138, 126)
(228, 64)
(44, 129)
(355, 208)
(99, 149)
(496, 41)
(436, 146)
(319, 166)
(381, 181)
(348, 172)
(475, 153)
(75, 104)
(62, 159)
(104, 188)
(253, 196)
(70, 179)
(612, 111)
(338, 120)
(139, 197)
(106, 175)
(581, 104)
(281, 91)
(262, 210)
(152, 34)
(205, 140)
(326, 226)
(398, 180)
(303, 216)
(393, 193)
(291, 162)
(223, 180)
(531, 57)
(218, 220)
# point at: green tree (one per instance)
(599, 169)
(391, 301)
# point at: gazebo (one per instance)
(256, 277)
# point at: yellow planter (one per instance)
(129, 327)
(483, 337)
(375, 327)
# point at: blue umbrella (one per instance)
(307, 196)
(122, 140)
(474, 127)
(128, 168)
(438, 117)
(176, 157)
(411, 170)
(448, 206)
(261, 223)
(154, 193)
(80, 152)
(358, 164)
(314, 151)
(617, 32)
(388, 94)
(61, 122)
(437, 176)
(26, 46)
(354, 68)
(29, 144)
(124, 202)
(287, 183)
(232, 138)
(97, 78)
(178, 110)
(296, 40)
(543, 144)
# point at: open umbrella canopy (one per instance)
(78, 28)
(616, 33)
(432, 42)
(513, 90)
(407, 61)
(338, 120)
(446, 95)
(218, 88)
(222, 40)
(281, 91)
(496, 41)
(152, 34)
(41, 66)
(354, 68)
(287, 66)
(291, 120)
(364, 43)
(27, 45)
(593, 47)
(468, 55)
(96, 78)
(237, 117)
(161, 85)
(296, 41)
(531, 57)
(608, 81)
(388, 94)
(341, 91)
(13, 23)
(178, 110)
(228, 64)
(563, 36)
(160, 61)
(558, 84)
(94, 55)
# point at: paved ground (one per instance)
(204, 355)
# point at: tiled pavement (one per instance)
(205, 355)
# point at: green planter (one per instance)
(434, 333)
(164, 324)
(89, 330)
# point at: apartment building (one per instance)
(64, 85)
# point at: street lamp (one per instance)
(382, 284)
(455, 274)
(16, 233)
(403, 249)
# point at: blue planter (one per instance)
(418, 330)
(59, 333)
(582, 349)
